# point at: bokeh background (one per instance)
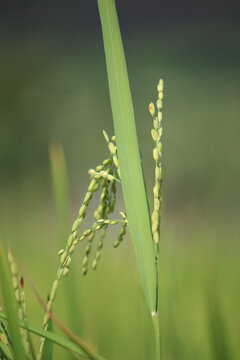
(53, 87)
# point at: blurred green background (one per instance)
(54, 87)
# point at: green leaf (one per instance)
(60, 185)
(11, 308)
(60, 188)
(5, 347)
(48, 347)
(219, 341)
(134, 193)
(6, 351)
(56, 339)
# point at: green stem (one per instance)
(156, 328)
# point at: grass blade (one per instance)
(60, 186)
(217, 331)
(4, 349)
(128, 151)
(56, 339)
(11, 308)
(48, 348)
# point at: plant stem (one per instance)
(156, 328)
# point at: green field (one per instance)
(55, 87)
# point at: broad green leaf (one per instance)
(11, 308)
(134, 193)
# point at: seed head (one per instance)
(88, 249)
(154, 135)
(154, 226)
(17, 295)
(155, 123)
(96, 186)
(160, 85)
(91, 172)
(159, 104)
(85, 260)
(21, 282)
(65, 271)
(68, 261)
(82, 211)
(54, 290)
(94, 264)
(72, 248)
(112, 148)
(156, 237)
(159, 147)
(159, 116)
(155, 154)
(106, 162)
(151, 109)
(3, 338)
(156, 189)
(155, 216)
(106, 136)
(61, 252)
(63, 258)
(123, 214)
(91, 185)
(156, 204)
(158, 172)
(116, 163)
(75, 225)
(87, 232)
(13, 268)
(99, 168)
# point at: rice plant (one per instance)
(121, 167)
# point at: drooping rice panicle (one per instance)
(157, 156)
(122, 232)
(113, 151)
(99, 248)
(124, 223)
(105, 175)
(157, 189)
(66, 254)
(20, 297)
(100, 211)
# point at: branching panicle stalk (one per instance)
(105, 176)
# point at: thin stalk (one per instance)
(60, 185)
(156, 328)
(11, 307)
